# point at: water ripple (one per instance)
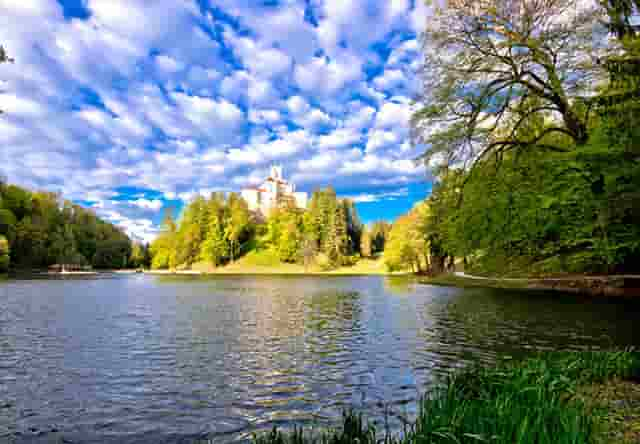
(189, 360)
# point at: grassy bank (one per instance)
(450, 280)
(556, 398)
(267, 262)
(597, 286)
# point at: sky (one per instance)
(134, 106)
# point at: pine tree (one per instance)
(338, 240)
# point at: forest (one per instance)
(530, 124)
(530, 119)
(39, 229)
(220, 229)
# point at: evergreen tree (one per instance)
(137, 259)
(365, 244)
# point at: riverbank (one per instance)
(607, 286)
(259, 265)
(585, 397)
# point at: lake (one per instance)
(148, 359)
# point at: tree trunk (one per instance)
(437, 264)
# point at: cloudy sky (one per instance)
(130, 106)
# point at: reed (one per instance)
(533, 401)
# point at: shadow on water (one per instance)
(190, 359)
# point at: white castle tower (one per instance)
(274, 190)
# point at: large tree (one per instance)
(495, 67)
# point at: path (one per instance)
(623, 276)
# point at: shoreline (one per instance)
(616, 286)
(586, 396)
(267, 272)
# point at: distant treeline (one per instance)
(221, 229)
(39, 229)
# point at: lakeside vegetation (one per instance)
(39, 229)
(531, 126)
(531, 119)
(552, 398)
(221, 233)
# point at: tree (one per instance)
(291, 237)
(365, 244)
(7, 223)
(238, 226)
(137, 259)
(163, 248)
(43, 229)
(493, 66)
(620, 14)
(338, 241)
(4, 254)
(215, 248)
(379, 235)
(404, 248)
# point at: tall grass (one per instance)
(529, 402)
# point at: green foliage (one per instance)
(528, 402)
(4, 254)
(407, 246)
(42, 230)
(164, 247)
(366, 244)
(221, 229)
(379, 234)
(140, 256)
(570, 212)
(216, 230)
(544, 192)
(354, 430)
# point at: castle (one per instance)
(275, 191)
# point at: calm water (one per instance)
(147, 359)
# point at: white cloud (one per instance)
(169, 64)
(377, 197)
(381, 139)
(150, 95)
(340, 138)
(391, 78)
(147, 204)
(15, 105)
(325, 76)
(393, 115)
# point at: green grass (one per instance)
(266, 261)
(535, 401)
(450, 280)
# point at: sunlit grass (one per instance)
(534, 401)
(266, 261)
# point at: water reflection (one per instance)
(144, 359)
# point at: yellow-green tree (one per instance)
(4, 254)
(163, 249)
(406, 247)
(365, 243)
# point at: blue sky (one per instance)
(130, 106)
